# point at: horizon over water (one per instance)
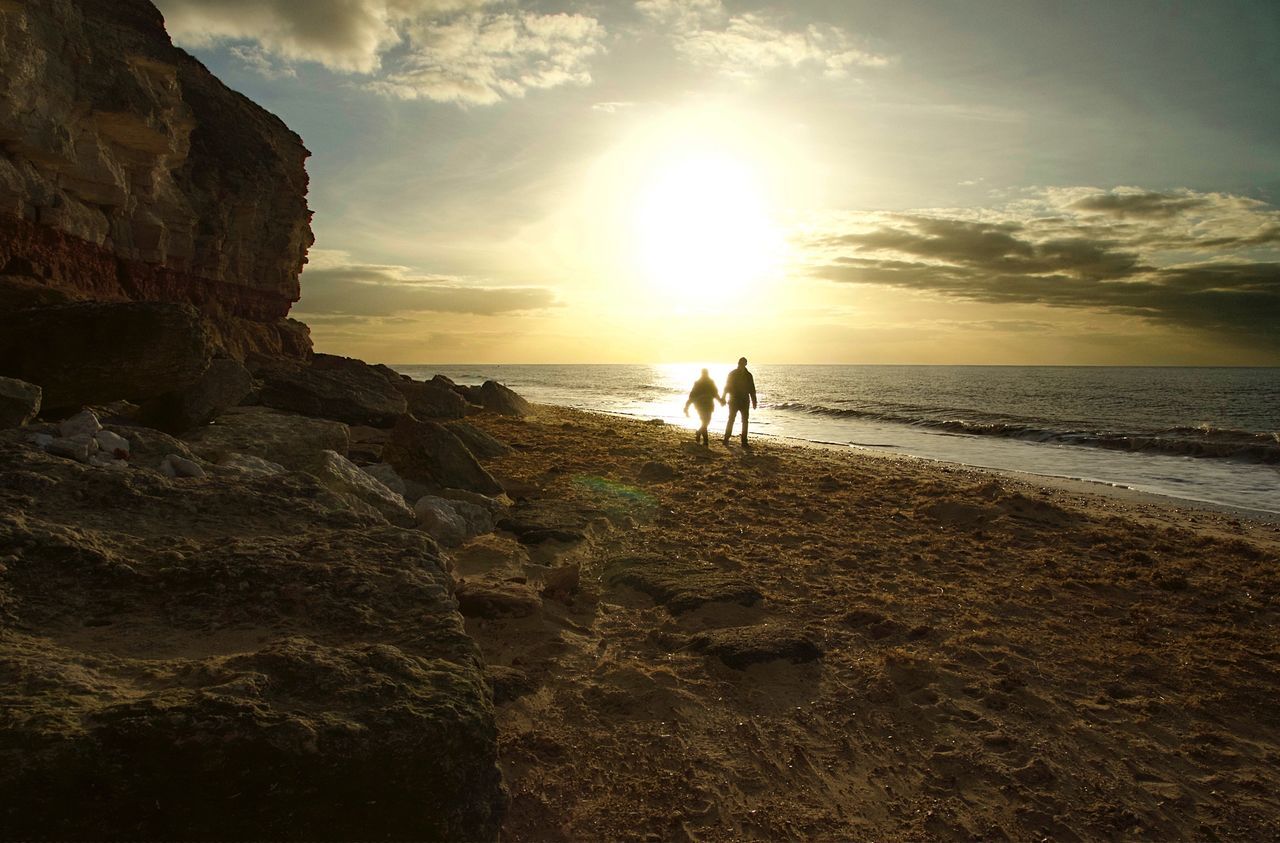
(1209, 434)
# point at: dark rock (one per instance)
(19, 402)
(497, 398)
(678, 584)
(426, 451)
(223, 385)
(478, 441)
(296, 442)
(285, 670)
(488, 599)
(656, 472)
(508, 683)
(431, 400)
(742, 646)
(470, 394)
(98, 352)
(338, 388)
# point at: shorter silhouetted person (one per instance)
(739, 388)
(703, 396)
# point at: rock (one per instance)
(338, 388)
(41, 440)
(296, 442)
(78, 447)
(84, 422)
(508, 683)
(426, 451)
(19, 402)
(479, 519)
(112, 443)
(100, 460)
(222, 386)
(742, 646)
(251, 465)
(470, 394)
(489, 599)
(148, 447)
(431, 400)
(656, 472)
(496, 398)
(438, 517)
(89, 353)
(176, 466)
(386, 475)
(680, 585)
(479, 443)
(345, 479)
(234, 650)
(130, 172)
(495, 505)
(562, 582)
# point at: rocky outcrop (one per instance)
(497, 398)
(98, 352)
(19, 402)
(426, 451)
(129, 172)
(229, 658)
(222, 386)
(332, 387)
(296, 442)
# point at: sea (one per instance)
(1202, 434)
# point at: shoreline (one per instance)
(1062, 482)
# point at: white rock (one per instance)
(83, 422)
(111, 442)
(343, 477)
(438, 517)
(176, 466)
(40, 440)
(386, 475)
(249, 464)
(79, 447)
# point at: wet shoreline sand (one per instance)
(807, 643)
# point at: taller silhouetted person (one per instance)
(738, 388)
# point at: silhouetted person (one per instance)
(739, 387)
(704, 396)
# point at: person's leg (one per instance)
(746, 414)
(706, 422)
(728, 429)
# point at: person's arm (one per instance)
(751, 382)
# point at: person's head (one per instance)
(742, 362)
(706, 373)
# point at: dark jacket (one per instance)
(704, 393)
(740, 387)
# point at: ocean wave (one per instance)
(1203, 440)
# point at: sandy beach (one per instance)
(796, 643)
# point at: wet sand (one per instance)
(797, 643)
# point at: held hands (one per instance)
(686, 408)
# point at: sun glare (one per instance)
(702, 227)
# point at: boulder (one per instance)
(470, 394)
(177, 466)
(742, 646)
(680, 585)
(223, 385)
(478, 442)
(148, 448)
(230, 659)
(497, 398)
(438, 517)
(113, 444)
(426, 451)
(19, 402)
(79, 447)
(84, 422)
(386, 475)
(330, 387)
(296, 442)
(431, 400)
(345, 479)
(96, 352)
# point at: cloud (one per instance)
(337, 290)
(750, 44)
(483, 58)
(1202, 261)
(442, 50)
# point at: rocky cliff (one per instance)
(129, 172)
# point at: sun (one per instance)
(702, 227)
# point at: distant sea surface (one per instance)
(1206, 434)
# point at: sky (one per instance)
(818, 181)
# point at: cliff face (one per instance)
(129, 172)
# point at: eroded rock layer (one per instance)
(129, 172)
